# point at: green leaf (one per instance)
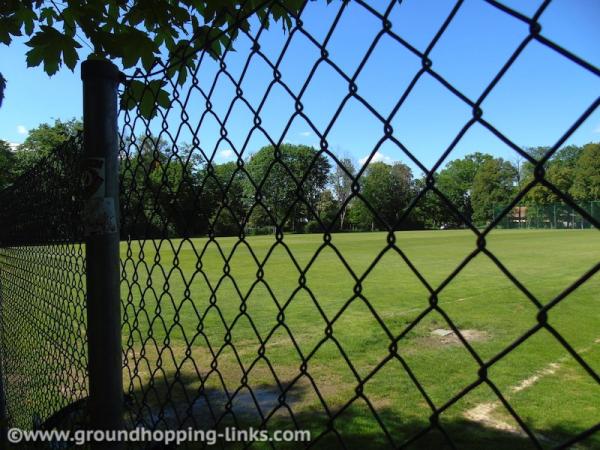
(47, 45)
(70, 57)
(69, 25)
(51, 60)
(146, 97)
(163, 99)
(48, 14)
(35, 56)
(146, 107)
(132, 94)
(136, 45)
(182, 77)
(9, 26)
(27, 16)
(148, 59)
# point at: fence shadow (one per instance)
(356, 427)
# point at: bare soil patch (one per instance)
(446, 336)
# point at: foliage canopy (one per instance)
(134, 33)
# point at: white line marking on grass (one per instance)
(483, 412)
(550, 369)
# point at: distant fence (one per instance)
(552, 216)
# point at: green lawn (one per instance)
(202, 314)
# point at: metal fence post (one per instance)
(3, 411)
(101, 190)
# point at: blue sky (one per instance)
(536, 101)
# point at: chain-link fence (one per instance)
(42, 292)
(553, 216)
(242, 330)
(231, 319)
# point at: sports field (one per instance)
(209, 313)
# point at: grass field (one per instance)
(197, 313)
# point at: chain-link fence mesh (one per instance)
(553, 216)
(42, 291)
(258, 331)
(359, 338)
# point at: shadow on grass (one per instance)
(176, 401)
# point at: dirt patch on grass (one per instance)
(448, 337)
(484, 414)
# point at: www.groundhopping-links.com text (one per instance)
(209, 437)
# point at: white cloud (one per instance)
(226, 153)
(378, 157)
(21, 129)
(306, 134)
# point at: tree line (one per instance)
(174, 191)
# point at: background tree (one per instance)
(493, 186)
(279, 180)
(559, 170)
(456, 181)
(7, 169)
(160, 191)
(225, 191)
(388, 189)
(341, 184)
(327, 207)
(42, 140)
(537, 153)
(586, 181)
(430, 212)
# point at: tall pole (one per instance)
(3, 412)
(101, 190)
